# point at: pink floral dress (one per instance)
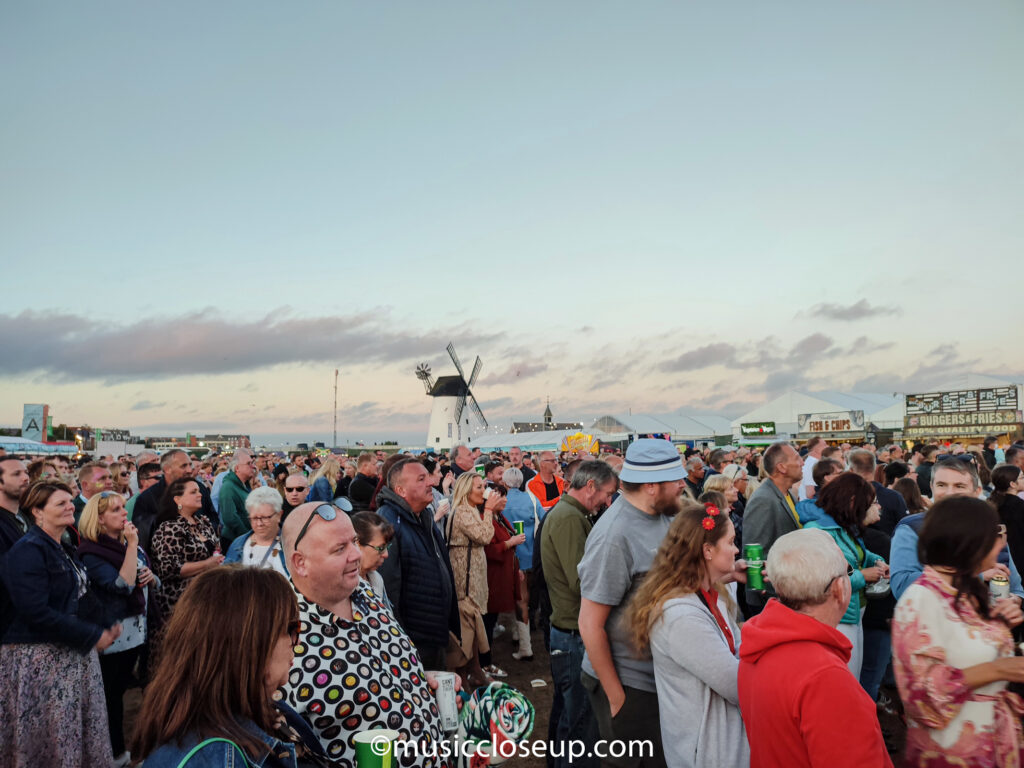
(947, 723)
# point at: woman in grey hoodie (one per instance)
(685, 613)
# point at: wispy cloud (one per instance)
(848, 312)
(145, 405)
(75, 348)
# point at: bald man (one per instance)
(547, 486)
(352, 654)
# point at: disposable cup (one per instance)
(376, 748)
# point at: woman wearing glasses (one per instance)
(120, 476)
(293, 489)
(848, 506)
(205, 707)
(953, 653)
(261, 547)
(375, 534)
(119, 577)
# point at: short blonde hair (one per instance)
(89, 522)
(719, 483)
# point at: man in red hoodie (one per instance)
(800, 704)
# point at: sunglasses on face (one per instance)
(326, 512)
(380, 550)
(296, 489)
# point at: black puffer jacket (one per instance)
(418, 574)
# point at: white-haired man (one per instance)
(800, 704)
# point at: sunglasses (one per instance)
(325, 512)
(108, 494)
(849, 573)
(293, 632)
(295, 488)
(380, 550)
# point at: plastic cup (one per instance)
(376, 748)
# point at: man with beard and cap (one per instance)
(619, 552)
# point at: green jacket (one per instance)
(564, 532)
(849, 549)
(234, 518)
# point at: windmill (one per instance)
(450, 394)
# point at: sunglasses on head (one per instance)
(325, 512)
(108, 494)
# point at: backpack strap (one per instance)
(200, 745)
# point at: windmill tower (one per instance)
(449, 422)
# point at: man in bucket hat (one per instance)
(620, 551)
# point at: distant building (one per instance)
(547, 425)
(225, 442)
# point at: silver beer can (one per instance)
(446, 705)
(998, 587)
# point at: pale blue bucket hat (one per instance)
(652, 461)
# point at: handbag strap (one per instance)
(200, 745)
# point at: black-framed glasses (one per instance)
(849, 573)
(380, 550)
(293, 632)
(296, 488)
(326, 512)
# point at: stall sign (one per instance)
(758, 429)
(963, 401)
(927, 424)
(838, 421)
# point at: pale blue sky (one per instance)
(666, 175)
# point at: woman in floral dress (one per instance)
(953, 653)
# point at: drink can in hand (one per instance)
(754, 555)
(999, 587)
(446, 705)
(518, 526)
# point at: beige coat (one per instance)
(468, 534)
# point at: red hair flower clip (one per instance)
(712, 512)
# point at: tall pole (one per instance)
(335, 444)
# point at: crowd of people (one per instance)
(271, 608)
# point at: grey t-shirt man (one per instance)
(620, 551)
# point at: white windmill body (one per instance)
(449, 419)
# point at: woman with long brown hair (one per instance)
(685, 613)
(230, 644)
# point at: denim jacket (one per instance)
(223, 755)
(43, 584)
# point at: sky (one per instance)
(207, 208)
